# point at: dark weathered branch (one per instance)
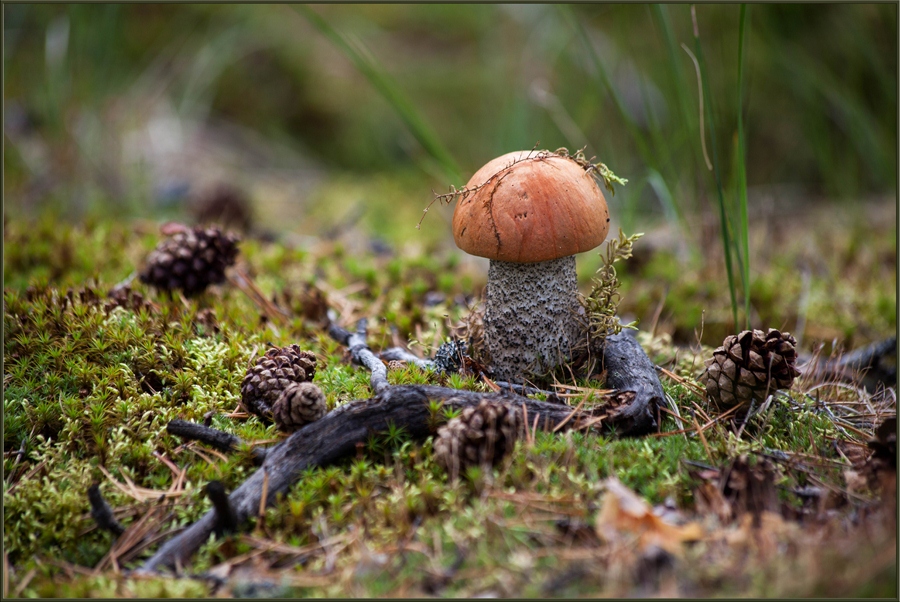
(630, 411)
(218, 439)
(629, 369)
(525, 390)
(865, 357)
(226, 521)
(336, 435)
(102, 513)
(869, 366)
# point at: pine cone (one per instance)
(190, 260)
(880, 469)
(128, 298)
(206, 318)
(298, 405)
(480, 436)
(750, 366)
(884, 445)
(273, 373)
(223, 204)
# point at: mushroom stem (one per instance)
(531, 320)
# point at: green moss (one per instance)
(91, 385)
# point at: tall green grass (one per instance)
(658, 149)
(825, 110)
(708, 112)
(733, 216)
(654, 150)
(744, 228)
(371, 68)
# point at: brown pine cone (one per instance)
(480, 436)
(223, 204)
(749, 366)
(880, 470)
(273, 373)
(127, 298)
(206, 319)
(190, 260)
(298, 405)
(884, 445)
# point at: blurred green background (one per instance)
(132, 106)
(337, 119)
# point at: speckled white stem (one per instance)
(531, 319)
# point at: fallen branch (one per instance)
(868, 366)
(629, 370)
(226, 522)
(335, 436)
(218, 439)
(402, 355)
(102, 513)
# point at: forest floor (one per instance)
(798, 500)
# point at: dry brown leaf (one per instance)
(624, 513)
(710, 500)
(855, 481)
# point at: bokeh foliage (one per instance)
(95, 93)
(821, 89)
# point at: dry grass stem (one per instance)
(222, 457)
(28, 475)
(683, 381)
(590, 423)
(528, 440)
(26, 579)
(140, 494)
(264, 498)
(699, 431)
(569, 417)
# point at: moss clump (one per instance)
(602, 304)
(90, 384)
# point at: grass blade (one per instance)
(742, 170)
(727, 236)
(670, 208)
(368, 65)
(652, 149)
(661, 14)
(633, 131)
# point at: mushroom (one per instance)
(530, 212)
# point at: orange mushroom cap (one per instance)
(530, 206)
